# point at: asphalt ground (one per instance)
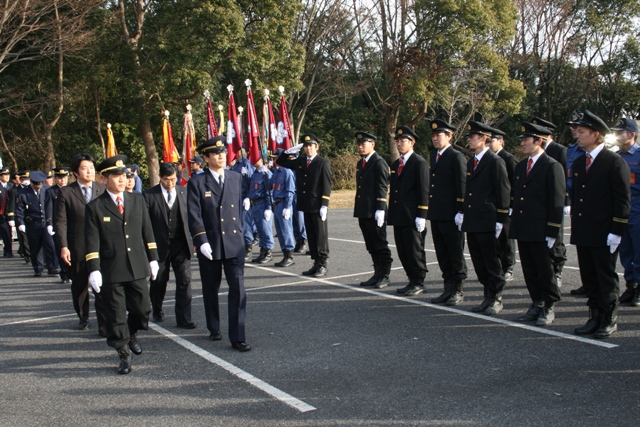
(326, 352)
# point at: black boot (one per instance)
(627, 295)
(259, 258)
(457, 296)
(608, 322)
(247, 252)
(376, 275)
(580, 291)
(321, 270)
(312, 270)
(255, 239)
(547, 315)
(592, 325)
(125, 360)
(267, 257)
(484, 305)
(444, 297)
(636, 298)
(286, 261)
(301, 247)
(383, 278)
(533, 313)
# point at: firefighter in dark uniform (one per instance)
(408, 206)
(5, 229)
(537, 204)
(485, 209)
(259, 202)
(60, 177)
(121, 255)
(558, 153)
(370, 208)
(214, 201)
(283, 189)
(506, 246)
(600, 200)
(22, 182)
(244, 167)
(313, 180)
(30, 217)
(446, 194)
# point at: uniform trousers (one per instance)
(264, 227)
(284, 228)
(598, 275)
(375, 240)
(23, 245)
(538, 272)
(484, 255)
(211, 275)
(318, 234)
(630, 253)
(5, 234)
(41, 247)
(506, 248)
(299, 230)
(80, 294)
(410, 246)
(64, 273)
(558, 252)
(247, 227)
(449, 245)
(177, 257)
(120, 298)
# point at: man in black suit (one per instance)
(448, 176)
(167, 206)
(506, 246)
(121, 254)
(21, 182)
(215, 221)
(5, 229)
(371, 206)
(558, 153)
(61, 178)
(485, 209)
(408, 206)
(537, 204)
(68, 217)
(600, 200)
(313, 188)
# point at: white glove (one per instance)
(50, 230)
(379, 216)
(498, 229)
(263, 169)
(12, 223)
(550, 241)
(267, 214)
(566, 210)
(613, 240)
(421, 223)
(510, 211)
(323, 213)
(22, 228)
(205, 249)
(243, 171)
(458, 220)
(246, 204)
(154, 267)
(286, 213)
(95, 280)
(294, 150)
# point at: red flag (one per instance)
(284, 134)
(253, 131)
(170, 154)
(188, 143)
(234, 131)
(212, 129)
(271, 131)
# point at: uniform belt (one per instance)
(256, 201)
(277, 202)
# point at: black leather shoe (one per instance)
(158, 317)
(287, 260)
(495, 307)
(532, 313)
(371, 281)
(456, 298)
(134, 346)
(415, 290)
(547, 316)
(401, 291)
(444, 297)
(482, 307)
(592, 325)
(102, 331)
(382, 283)
(215, 336)
(186, 325)
(321, 271)
(627, 295)
(83, 325)
(241, 346)
(125, 360)
(311, 271)
(579, 291)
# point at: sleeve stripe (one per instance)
(326, 197)
(152, 245)
(553, 224)
(202, 232)
(459, 200)
(423, 207)
(92, 255)
(382, 200)
(502, 210)
(620, 220)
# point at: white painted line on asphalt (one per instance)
(234, 370)
(38, 319)
(483, 317)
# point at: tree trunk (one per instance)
(391, 120)
(149, 145)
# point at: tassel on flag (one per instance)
(111, 143)
(253, 131)
(234, 130)
(212, 129)
(188, 144)
(170, 154)
(221, 123)
(283, 137)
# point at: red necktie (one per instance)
(475, 163)
(308, 162)
(529, 166)
(401, 165)
(120, 205)
(438, 158)
(588, 163)
(364, 163)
